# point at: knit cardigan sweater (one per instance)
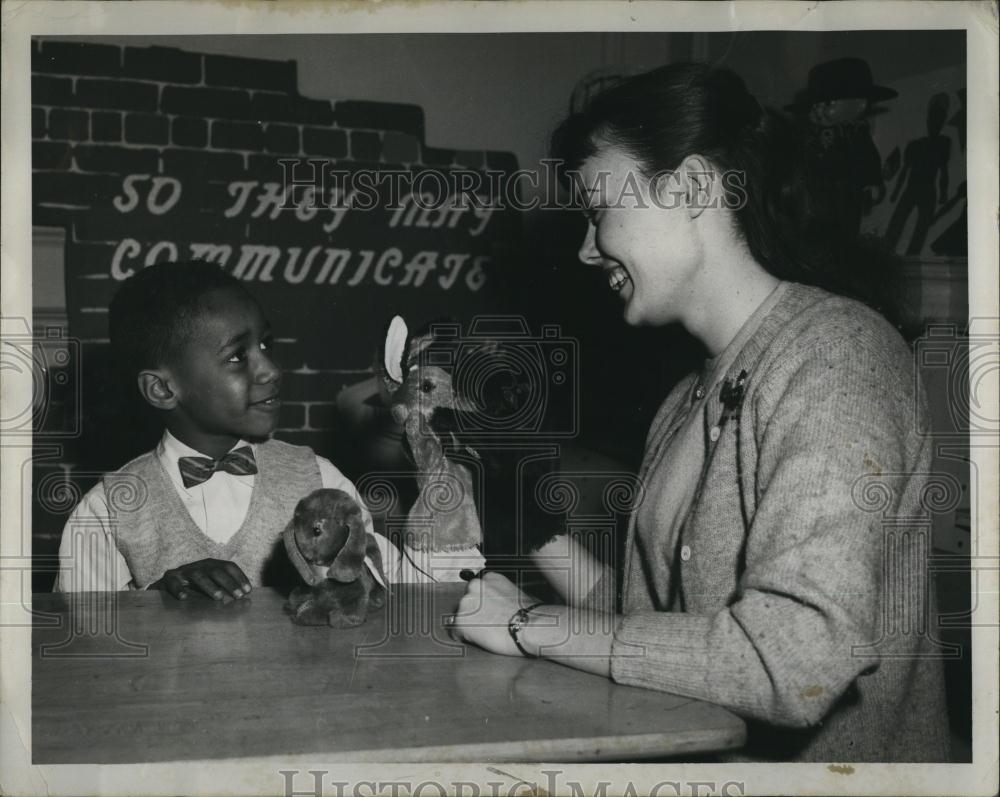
(804, 602)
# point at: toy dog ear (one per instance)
(395, 349)
(295, 555)
(349, 563)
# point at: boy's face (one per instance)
(223, 379)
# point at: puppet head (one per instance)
(415, 388)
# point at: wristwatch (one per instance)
(518, 621)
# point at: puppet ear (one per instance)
(488, 348)
(417, 347)
(463, 404)
(348, 564)
(395, 346)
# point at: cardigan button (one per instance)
(685, 552)
(699, 392)
(714, 433)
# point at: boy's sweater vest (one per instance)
(155, 532)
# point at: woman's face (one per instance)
(642, 237)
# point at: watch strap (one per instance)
(517, 621)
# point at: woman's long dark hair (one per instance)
(661, 117)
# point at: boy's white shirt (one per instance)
(218, 507)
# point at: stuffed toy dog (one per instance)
(340, 562)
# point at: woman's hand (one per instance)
(484, 613)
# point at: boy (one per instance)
(202, 512)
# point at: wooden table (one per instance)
(137, 677)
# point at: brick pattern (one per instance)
(103, 111)
(173, 100)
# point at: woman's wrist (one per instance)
(516, 625)
(546, 634)
(540, 631)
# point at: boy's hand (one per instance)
(216, 578)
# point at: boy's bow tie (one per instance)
(195, 470)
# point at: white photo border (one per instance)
(23, 19)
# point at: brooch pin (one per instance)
(731, 396)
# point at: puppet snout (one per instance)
(400, 412)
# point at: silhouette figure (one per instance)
(844, 167)
(892, 164)
(954, 241)
(925, 161)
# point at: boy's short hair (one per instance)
(151, 315)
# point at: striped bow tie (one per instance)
(195, 470)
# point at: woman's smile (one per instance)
(618, 278)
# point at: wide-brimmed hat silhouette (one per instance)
(838, 80)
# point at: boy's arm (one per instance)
(89, 559)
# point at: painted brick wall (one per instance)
(102, 113)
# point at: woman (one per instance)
(760, 573)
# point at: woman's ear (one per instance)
(156, 390)
(698, 177)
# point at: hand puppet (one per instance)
(443, 518)
(340, 562)
(460, 472)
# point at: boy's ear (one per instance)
(156, 390)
